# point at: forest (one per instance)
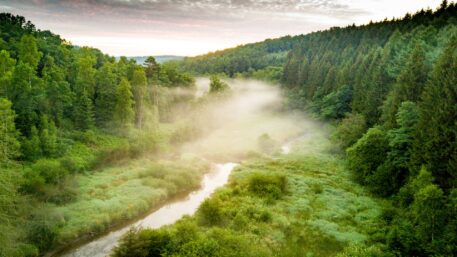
(66, 111)
(382, 184)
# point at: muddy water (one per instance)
(168, 214)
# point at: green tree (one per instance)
(6, 72)
(365, 156)
(217, 86)
(28, 51)
(139, 84)
(27, 95)
(106, 93)
(152, 69)
(428, 210)
(31, 147)
(350, 129)
(83, 114)
(85, 76)
(123, 111)
(409, 85)
(436, 142)
(58, 93)
(48, 136)
(9, 144)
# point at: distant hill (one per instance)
(159, 58)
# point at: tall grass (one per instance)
(301, 204)
(121, 193)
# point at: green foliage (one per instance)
(28, 51)
(304, 221)
(9, 144)
(436, 142)
(268, 185)
(139, 91)
(217, 86)
(365, 156)
(123, 110)
(336, 104)
(58, 106)
(350, 129)
(210, 212)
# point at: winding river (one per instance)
(168, 214)
(252, 112)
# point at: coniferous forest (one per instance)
(381, 182)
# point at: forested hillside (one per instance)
(258, 60)
(66, 111)
(391, 88)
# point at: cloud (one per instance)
(185, 24)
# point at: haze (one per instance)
(191, 27)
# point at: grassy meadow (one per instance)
(300, 204)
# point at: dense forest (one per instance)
(64, 111)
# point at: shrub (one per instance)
(270, 186)
(210, 212)
(365, 156)
(350, 129)
(51, 170)
(267, 144)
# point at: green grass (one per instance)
(118, 194)
(320, 212)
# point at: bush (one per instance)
(349, 130)
(270, 186)
(210, 212)
(267, 144)
(51, 170)
(43, 227)
(365, 156)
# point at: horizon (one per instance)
(136, 28)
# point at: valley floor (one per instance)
(300, 204)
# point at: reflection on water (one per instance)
(168, 214)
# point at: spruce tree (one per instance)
(436, 141)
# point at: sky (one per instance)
(192, 27)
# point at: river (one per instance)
(168, 214)
(236, 125)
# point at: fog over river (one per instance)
(232, 127)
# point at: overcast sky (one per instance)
(191, 27)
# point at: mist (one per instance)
(231, 126)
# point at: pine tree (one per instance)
(123, 111)
(9, 145)
(409, 85)
(436, 141)
(139, 84)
